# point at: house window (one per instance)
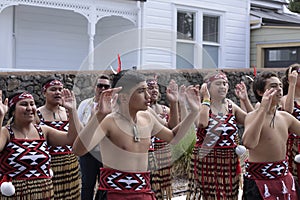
(185, 40)
(281, 57)
(198, 39)
(185, 25)
(211, 29)
(210, 41)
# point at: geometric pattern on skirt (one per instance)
(111, 179)
(214, 174)
(266, 170)
(292, 150)
(293, 144)
(272, 179)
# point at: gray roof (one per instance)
(273, 18)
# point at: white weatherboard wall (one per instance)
(50, 39)
(6, 39)
(58, 39)
(159, 17)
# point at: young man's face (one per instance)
(140, 98)
(53, 94)
(153, 90)
(275, 83)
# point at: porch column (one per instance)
(91, 33)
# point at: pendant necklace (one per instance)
(136, 137)
(54, 114)
(220, 111)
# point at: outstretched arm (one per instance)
(92, 133)
(182, 128)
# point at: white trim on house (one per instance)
(152, 22)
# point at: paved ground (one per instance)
(183, 197)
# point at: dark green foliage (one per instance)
(294, 6)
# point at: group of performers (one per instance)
(135, 135)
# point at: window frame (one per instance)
(198, 34)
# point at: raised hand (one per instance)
(204, 93)
(68, 99)
(107, 101)
(3, 106)
(241, 91)
(181, 94)
(267, 99)
(292, 76)
(193, 98)
(172, 91)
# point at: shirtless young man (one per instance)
(266, 134)
(124, 136)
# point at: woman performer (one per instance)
(161, 174)
(215, 169)
(24, 147)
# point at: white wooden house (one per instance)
(152, 34)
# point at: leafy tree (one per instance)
(294, 6)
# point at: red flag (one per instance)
(254, 71)
(119, 64)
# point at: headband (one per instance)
(217, 76)
(17, 98)
(52, 83)
(151, 82)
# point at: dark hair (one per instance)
(259, 83)
(127, 79)
(13, 108)
(285, 79)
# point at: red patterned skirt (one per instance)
(293, 148)
(214, 174)
(273, 179)
(125, 185)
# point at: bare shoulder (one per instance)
(285, 114)
(40, 108)
(4, 131)
(146, 116)
(109, 120)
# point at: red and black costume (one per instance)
(214, 167)
(64, 163)
(269, 180)
(125, 185)
(293, 146)
(26, 163)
